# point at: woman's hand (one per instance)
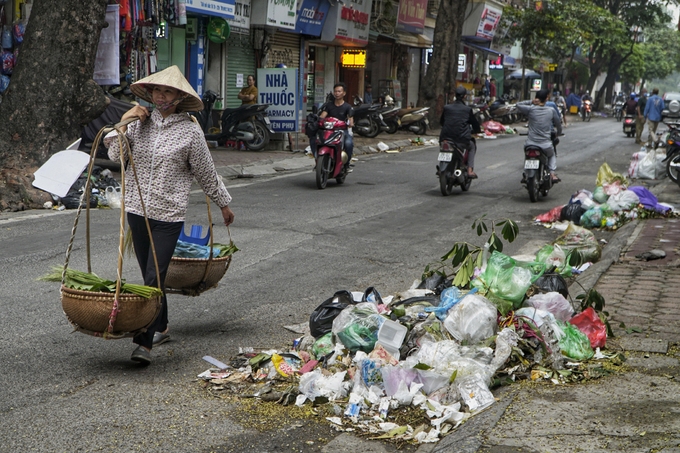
(137, 111)
(228, 215)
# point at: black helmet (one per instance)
(461, 91)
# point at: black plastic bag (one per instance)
(573, 212)
(321, 319)
(435, 283)
(372, 295)
(549, 282)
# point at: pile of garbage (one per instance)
(612, 204)
(435, 348)
(494, 127)
(105, 191)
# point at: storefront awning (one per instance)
(413, 40)
(482, 49)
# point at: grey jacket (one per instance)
(542, 120)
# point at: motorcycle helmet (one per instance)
(632, 95)
(389, 100)
(461, 91)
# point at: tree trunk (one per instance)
(439, 80)
(51, 95)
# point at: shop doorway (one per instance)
(353, 79)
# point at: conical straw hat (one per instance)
(170, 77)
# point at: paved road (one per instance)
(67, 391)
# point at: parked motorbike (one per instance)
(618, 110)
(368, 121)
(330, 153)
(452, 168)
(629, 125)
(586, 110)
(503, 111)
(248, 123)
(673, 152)
(537, 177)
(412, 119)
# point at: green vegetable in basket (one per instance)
(85, 281)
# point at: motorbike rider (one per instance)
(344, 112)
(631, 105)
(558, 99)
(458, 122)
(542, 120)
(620, 97)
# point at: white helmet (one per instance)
(389, 100)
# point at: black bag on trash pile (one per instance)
(572, 212)
(72, 200)
(436, 283)
(372, 295)
(552, 282)
(321, 319)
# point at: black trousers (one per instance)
(165, 235)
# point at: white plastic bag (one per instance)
(623, 201)
(552, 302)
(315, 384)
(647, 166)
(473, 319)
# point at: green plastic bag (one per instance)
(506, 280)
(599, 195)
(356, 327)
(323, 346)
(574, 344)
(580, 240)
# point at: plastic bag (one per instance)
(573, 212)
(623, 201)
(493, 126)
(472, 320)
(448, 298)
(554, 215)
(583, 196)
(581, 240)
(647, 199)
(552, 302)
(599, 195)
(321, 319)
(594, 217)
(552, 282)
(323, 346)
(590, 324)
(646, 165)
(7, 59)
(508, 280)
(357, 326)
(634, 167)
(606, 175)
(315, 384)
(613, 188)
(392, 376)
(551, 255)
(574, 344)
(4, 83)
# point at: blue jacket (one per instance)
(654, 108)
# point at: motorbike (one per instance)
(618, 110)
(330, 154)
(248, 123)
(629, 125)
(503, 111)
(412, 119)
(673, 152)
(536, 175)
(452, 168)
(368, 121)
(586, 109)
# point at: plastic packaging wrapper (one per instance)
(599, 195)
(357, 326)
(573, 212)
(6, 37)
(7, 59)
(189, 250)
(574, 344)
(472, 320)
(19, 30)
(508, 280)
(493, 126)
(505, 341)
(623, 201)
(4, 83)
(447, 356)
(613, 188)
(286, 365)
(554, 303)
(392, 376)
(576, 238)
(448, 298)
(323, 346)
(606, 175)
(554, 215)
(321, 319)
(590, 324)
(648, 200)
(474, 392)
(315, 384)
(539, 318)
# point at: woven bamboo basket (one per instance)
(192, 276)
(94, 311)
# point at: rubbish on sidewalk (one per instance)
(552, 302)
(580, 240)
(655, 254)
(382, 146)
(590, 324)
(648, 200)
(574, 344)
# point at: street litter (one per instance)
(383, 147)
(412, 367)
(612, 204)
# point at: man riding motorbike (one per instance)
(343, 111)
(458, 122)
(542, 120)
(558, 99)
(631, 105)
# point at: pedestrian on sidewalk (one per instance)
(653, 111)
(640, 117)
(169, 151)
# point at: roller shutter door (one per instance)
(240, 60)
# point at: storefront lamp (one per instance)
(353, 58)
